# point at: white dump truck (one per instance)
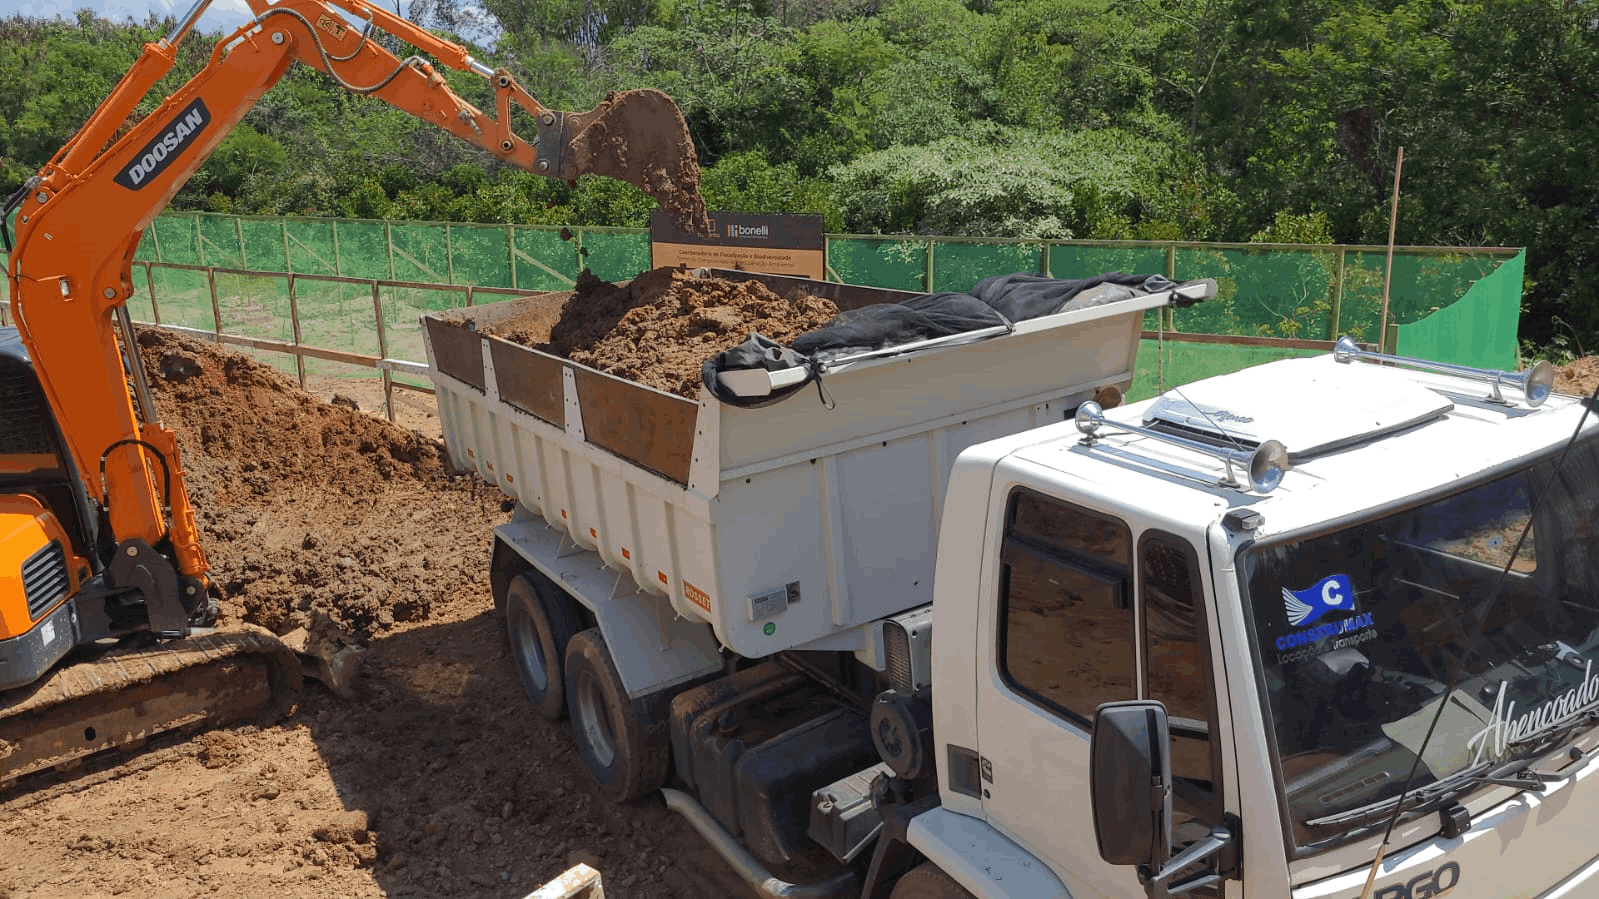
(1323, 628)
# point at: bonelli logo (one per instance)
(159, 153)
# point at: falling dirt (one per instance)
(659, 328)
(434, 780)
(640, 137)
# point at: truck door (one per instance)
(1088, 611)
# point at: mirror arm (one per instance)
(1159, 885)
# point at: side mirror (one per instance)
(1130, 786)
(1130, 783)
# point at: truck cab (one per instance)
(952, 629)
(1260, 589)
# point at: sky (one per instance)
(220, 16)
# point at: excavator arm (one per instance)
(80, 220)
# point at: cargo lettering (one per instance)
(1505, 728)
(1424, 886)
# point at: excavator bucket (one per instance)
(640, 137)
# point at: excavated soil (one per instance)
(659, 328)
(1579, 377)
(433, 780)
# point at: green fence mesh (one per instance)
(1086, 261)
(897, 264)
(958, 265)
(1455, 305)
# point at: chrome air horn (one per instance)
(1262, 467)
(1535, 383)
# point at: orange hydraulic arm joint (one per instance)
(80, 220)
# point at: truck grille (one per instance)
(897, 655)
(44, 578)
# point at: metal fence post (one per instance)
(155, 235)
(294, 322)
(931, 244)
(510, 252)
(216, 308)
(1333, 321)
(149, 280)
(383, 350)
(449, 254)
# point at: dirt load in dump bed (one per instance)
(659, 328)
(434, 780)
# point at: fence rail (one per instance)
(382, 362)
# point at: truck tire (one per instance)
(928, 881)
(539, 623)
(625, 743)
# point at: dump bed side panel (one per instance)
(780, 526)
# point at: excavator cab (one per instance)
(47, 524)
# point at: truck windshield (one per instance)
(1360, 630)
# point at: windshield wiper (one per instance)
(1441, 792)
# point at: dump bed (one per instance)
(780, 526)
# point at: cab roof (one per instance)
(1359, 436)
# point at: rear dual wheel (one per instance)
(540, 621)
(625, 743)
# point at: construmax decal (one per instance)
(159, 153)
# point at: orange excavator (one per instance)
(100, 557)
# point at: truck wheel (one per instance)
(928, 881)
(539, 622)
(625, 743)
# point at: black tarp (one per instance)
(998, 301)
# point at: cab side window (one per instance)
(1177, 670)
(1066, 614)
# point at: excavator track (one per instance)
(122, 698)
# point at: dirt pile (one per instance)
(659, 328)
(306, 507)
(1578, 377)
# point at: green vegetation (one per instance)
(1232, 120)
